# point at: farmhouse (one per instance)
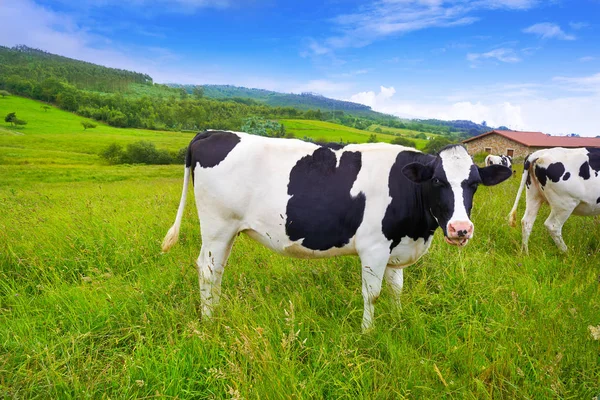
(519, 144)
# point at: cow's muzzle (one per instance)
(459, 232)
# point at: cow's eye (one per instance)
(436, 182)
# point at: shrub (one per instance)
(88, 124)
(402, 141)
(435, 145)
(113, 154)
(142, 152)
(372, 138)
(480, 157)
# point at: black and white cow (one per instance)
(566, 179)
(379, 201)
(498, 160)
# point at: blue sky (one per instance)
(526, 64)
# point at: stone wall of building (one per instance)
(497, 145)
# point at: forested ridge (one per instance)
(129, 99)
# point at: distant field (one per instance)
(330, 132)
(408, 133)
(90, 308)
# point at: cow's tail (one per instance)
(173, 233)
(512, 217)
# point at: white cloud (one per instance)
(578, 25)
(587, 59)
(581, 83)
(384, 18)
(547, 30)
(372, 99)
(501, 54)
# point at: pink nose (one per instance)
(460, 229)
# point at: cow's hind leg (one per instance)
(555, 222)
(533, 203)
(395, 280)
(211, 263)
(373, 270)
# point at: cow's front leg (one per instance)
(394, 277)
(373, 269)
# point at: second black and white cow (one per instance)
(379, 201)
(566, 179)
(498, 160)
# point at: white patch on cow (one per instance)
(408, 251)
(456, 163)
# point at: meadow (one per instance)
(90, 308)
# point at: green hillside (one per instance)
(329, 132)
(22, 63)
(128, 99)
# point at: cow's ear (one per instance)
(417, 172)
(494, 174)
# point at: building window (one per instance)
(488, 150)
(510, 152)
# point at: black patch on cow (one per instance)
(408, 214)
(554, 172)
(321, 210)
(584, 170)
(526, 165)
(210, 148)
(566, 176)
(598, 200)
(594, 159)
(469, 188)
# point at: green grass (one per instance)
(329, 132)
(90, 308)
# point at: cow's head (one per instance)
(449, 183)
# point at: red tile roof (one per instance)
(539, 139)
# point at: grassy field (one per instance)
(329, 132)
(90, 308)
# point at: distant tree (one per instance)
(20, 122)
(378, 130)
(183, 94)
(420, 135)
(372, 138)
(198, 92)
(88, 124)
(435, 145)
(46, 107)
(4, 93)
(402, 141)
(11, 118)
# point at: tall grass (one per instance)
(90, 308)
